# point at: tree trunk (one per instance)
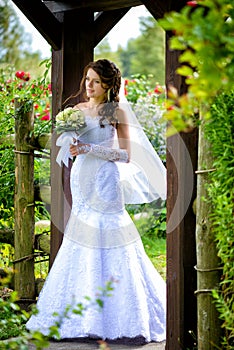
(207, 260)
(24, 279)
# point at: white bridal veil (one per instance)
(144, 178)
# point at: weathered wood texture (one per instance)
(181, 256)
(24, 203)
(209, 326)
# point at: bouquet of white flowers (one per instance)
(70, 120)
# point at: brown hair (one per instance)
(111, 80)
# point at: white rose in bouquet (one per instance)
(70, 119)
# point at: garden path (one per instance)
(93, 345)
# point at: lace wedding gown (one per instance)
(101, 244)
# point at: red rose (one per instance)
(45, 117)
(158, 89)
(192, 3)
(19, 74)
(22, 75)
(49, 87)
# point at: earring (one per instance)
(108, 95)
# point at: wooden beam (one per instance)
(43, 20)
(159, 8)
(105, 21)
(94, 5)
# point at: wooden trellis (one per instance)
(73, 30)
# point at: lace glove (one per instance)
(106, 153)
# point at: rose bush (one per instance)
(18, 85)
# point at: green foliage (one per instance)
(156, 251)
(145, 55)
(103, 50)
(220, 133)
(13, 334)
(152, 42)
(151, 225)
(11, 38)
(148, 105)
(204, 33)
(6, 255)
(11, 318)
(147, 99)
(18, 85)
(14, 42)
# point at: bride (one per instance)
(114, 165)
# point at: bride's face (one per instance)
(93, 85)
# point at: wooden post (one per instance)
(208, 276)
(24, 202)
(67, 69)
(181, 248)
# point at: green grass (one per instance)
(155, 247)
(156, 251)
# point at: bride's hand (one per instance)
(79, 148)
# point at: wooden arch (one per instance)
(73, 28)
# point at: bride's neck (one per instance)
(94, 103)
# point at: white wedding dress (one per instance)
(101, 244)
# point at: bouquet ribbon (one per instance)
(64, 141)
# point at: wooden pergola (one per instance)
(73, 28)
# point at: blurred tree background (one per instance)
(143, 55)
(15, 43)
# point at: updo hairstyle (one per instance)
(110, 80)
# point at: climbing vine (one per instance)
(220, 133)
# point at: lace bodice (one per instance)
(96, 134)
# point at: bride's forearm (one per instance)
(106, 153)
(112, 154)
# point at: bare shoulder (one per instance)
(81, 106)
(121, 116)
